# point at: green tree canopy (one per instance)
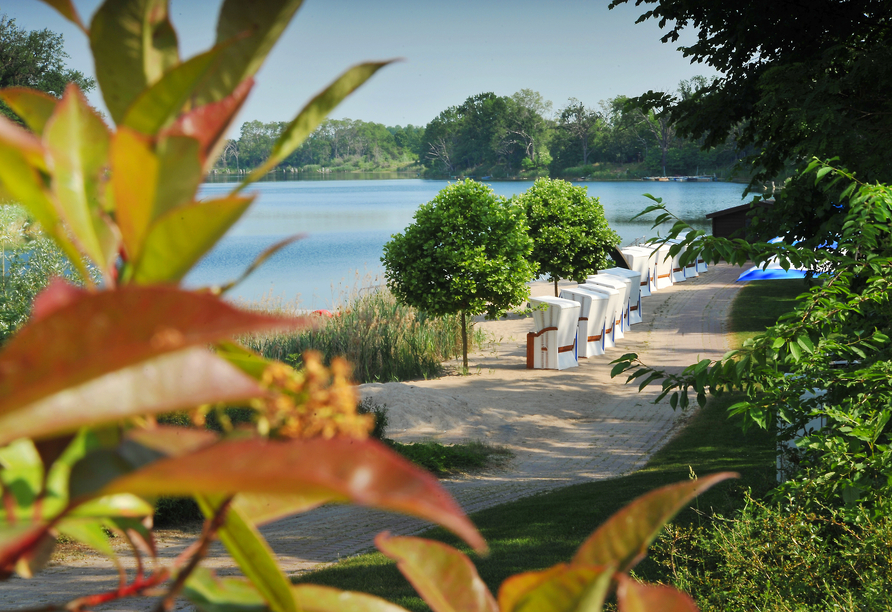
(34, 59)
(571, 237)
(797, 80)
(466, 253)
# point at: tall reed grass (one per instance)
(384, 340)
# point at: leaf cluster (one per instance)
(786, 94)
(827, 361)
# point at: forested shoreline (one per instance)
(517, 136)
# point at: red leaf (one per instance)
(97, 333)
(209, 123)
(363, 472)
(57, 294)
(633, 596)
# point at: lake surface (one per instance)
(347, 222)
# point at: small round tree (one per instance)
(571, 237)
(466, 252)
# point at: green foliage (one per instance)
(497, 133)
(827, 362)
(451, 458)
(339, 144)
(785, 96)
(777, 557)
(36, 60)
(464, 253)
(383, 339)
(571, 237)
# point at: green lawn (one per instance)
(539, 531)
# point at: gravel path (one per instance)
(564, 427)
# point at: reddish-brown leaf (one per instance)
(97, 333)
(364, 472)
(623, 540)
(556, 589)
(173, 381)
(67, 10)
(208, 123)
(443, 576)
(633, 596)
(173, 441)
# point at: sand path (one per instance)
(563, 426)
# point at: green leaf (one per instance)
(77, 141)
(159, 105)
(443, 576)
(559, 588)
(313, 114)
(633, 596)
(150, 181)
(179, 238)
(252, 554)
(253, 29)
(134, 44)
(623, 540)
(822, 173)
(212, 594)
(34, 107)
(359, 471)
(313, 598)
(806, 343)
(795, 351)
(88, 532)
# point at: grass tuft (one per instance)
(385, 340)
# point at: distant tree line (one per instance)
(342, 144)
(502, 136)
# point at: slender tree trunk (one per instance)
(556, 287)
(464, 341)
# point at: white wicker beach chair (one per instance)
(592, 320)
(614, 323)
(635, 314)
(553, 345)
(622, 284)
(641, 261)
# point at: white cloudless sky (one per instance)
(450, 51)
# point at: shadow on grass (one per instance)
(539, 531)
(760, 303)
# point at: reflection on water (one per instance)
(349, 220)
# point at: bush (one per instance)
(27, 261)
(781, 557)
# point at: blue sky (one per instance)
(451, 51)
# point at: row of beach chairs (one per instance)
(587, 320)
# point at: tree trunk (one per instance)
(464, 341)
(556, 287)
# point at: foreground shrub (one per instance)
(781, 557)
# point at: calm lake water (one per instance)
(347, 223)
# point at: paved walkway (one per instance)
(564, 427)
